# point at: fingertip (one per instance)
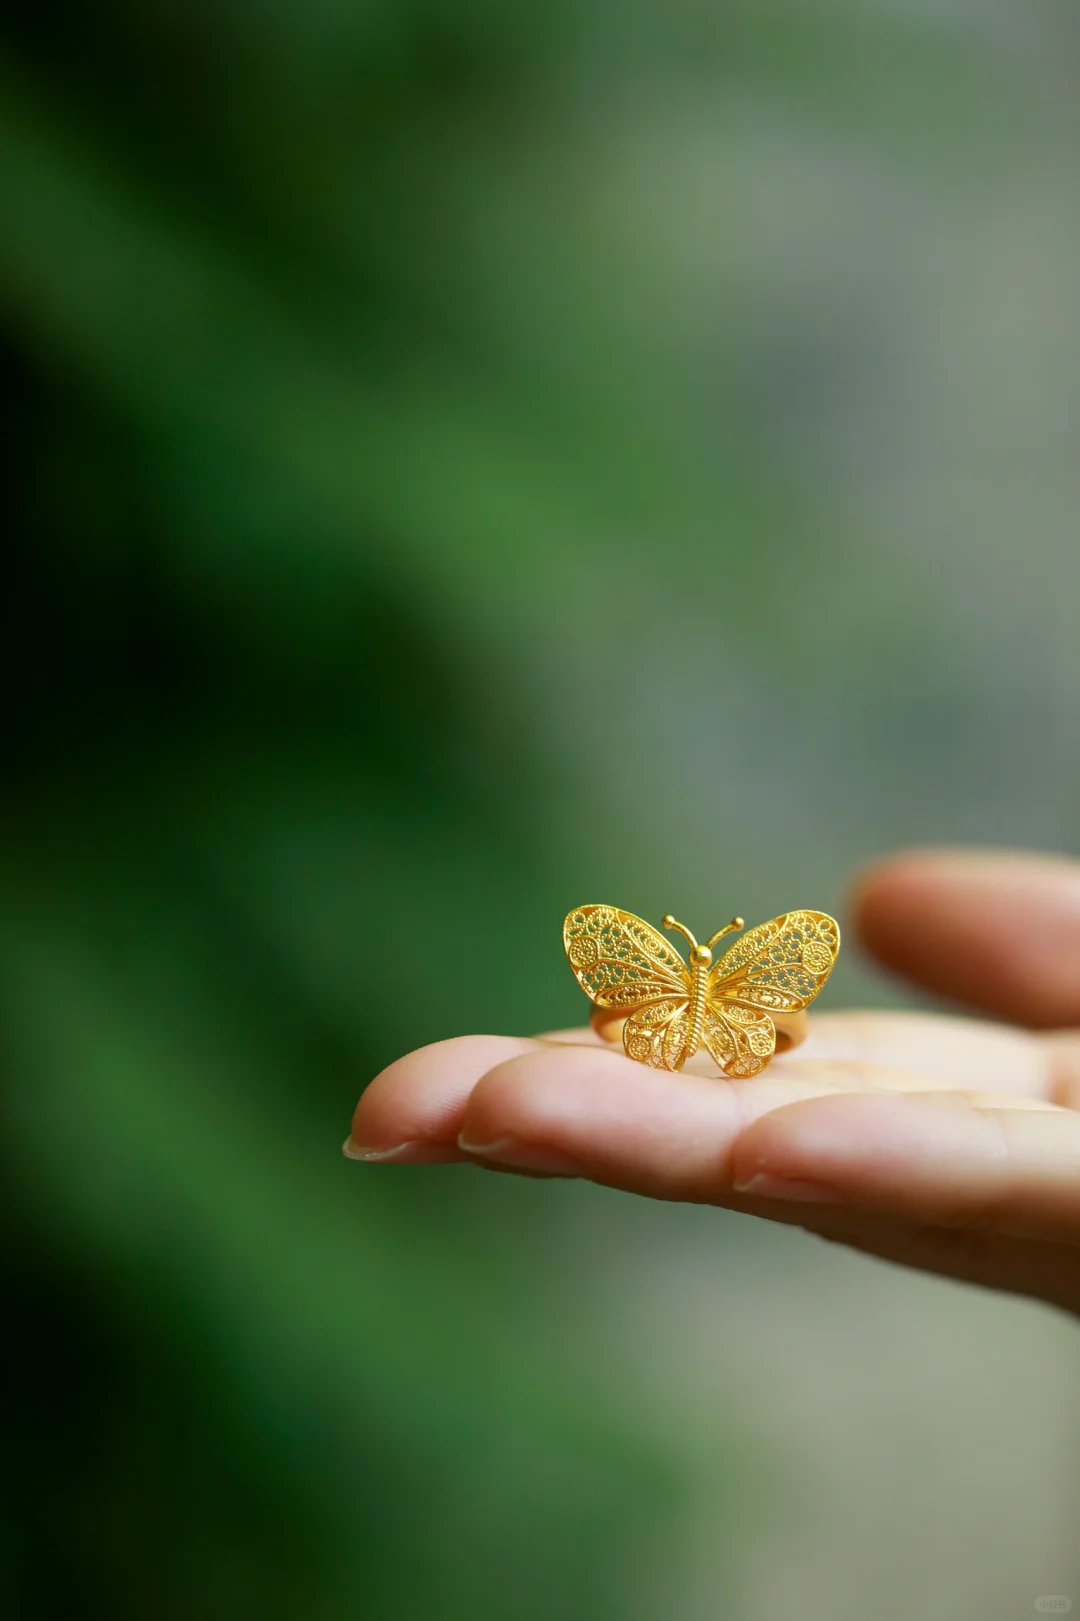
(536, 1094)
(936, 1156)
(890, 887)
(422, 1096)
(998, 930)
(623, 1124)
(852, 1143)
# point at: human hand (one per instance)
(943, 1143)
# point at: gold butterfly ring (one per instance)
(743, 1008)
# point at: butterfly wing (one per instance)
(740, 1038)
(656, 1033)
(622, 963)
(778, 967)
(619, 961)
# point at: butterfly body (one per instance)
(695, 1013)
(672, 1008)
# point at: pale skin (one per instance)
(951, 1144)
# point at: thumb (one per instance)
(996, 930)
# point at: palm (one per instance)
(944, 1143)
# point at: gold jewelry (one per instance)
(742, 1009)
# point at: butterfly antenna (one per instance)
(668, 922)
(733, 927)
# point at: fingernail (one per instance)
(764, 1186)
(522, 1156)
(410, 1153)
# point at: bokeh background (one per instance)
(462, 459)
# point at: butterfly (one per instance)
(671, 1009)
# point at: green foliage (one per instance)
(271, 471)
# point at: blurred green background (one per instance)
(461, 461)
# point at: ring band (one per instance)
(791, 1028)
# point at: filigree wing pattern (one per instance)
(780, 965)
(619, 961)
(656, 1034)
(740, 1038)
